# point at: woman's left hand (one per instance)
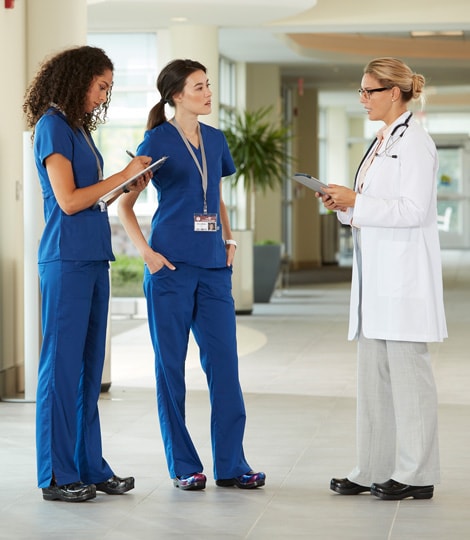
(141, 183)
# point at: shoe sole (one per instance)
(79, 498)
(421, 494)
(352, 491)
(234, 482)
(251, 485)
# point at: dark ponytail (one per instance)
(156, 115)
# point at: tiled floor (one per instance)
(298, 374)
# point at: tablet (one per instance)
(152, 167)
(310, 182)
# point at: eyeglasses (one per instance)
(367, 93)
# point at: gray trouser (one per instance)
(397, 433)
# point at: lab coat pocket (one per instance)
(399, 269)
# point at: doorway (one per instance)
(453, 191)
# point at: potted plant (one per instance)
(258, 148)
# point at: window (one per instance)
(227, 108)
(134, 93)
(227, 90)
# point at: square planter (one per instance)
(266, 268)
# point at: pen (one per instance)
(129, 153)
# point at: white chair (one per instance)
(443, 222)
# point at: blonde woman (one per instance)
(397, 296)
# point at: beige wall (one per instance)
(306, 224)
(263, 88)
(12, 54)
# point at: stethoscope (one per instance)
(390, 142)
(403, 126)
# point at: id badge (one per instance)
(205, 222)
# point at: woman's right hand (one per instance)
(136, 165)
(155, 261)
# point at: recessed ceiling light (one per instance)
(433, 33)
(179, 19)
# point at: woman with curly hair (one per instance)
(65, 102)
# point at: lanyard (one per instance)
(98, 164)
(203, 170)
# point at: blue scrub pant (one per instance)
(197, 299)
(75, 301)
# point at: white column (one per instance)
(53, 25)
(199, 43)
(33, 224)
(337, 145)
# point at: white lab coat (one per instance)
(400, 270)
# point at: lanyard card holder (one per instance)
(205, 222)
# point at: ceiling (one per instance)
(324, 42)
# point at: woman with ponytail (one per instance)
(188, 277)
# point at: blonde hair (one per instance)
(392, 72)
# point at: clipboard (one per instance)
(152, 167)
(310, 182)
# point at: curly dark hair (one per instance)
(64, 80)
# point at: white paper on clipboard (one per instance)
(152, 167)
(310, 182)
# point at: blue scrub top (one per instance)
(180, 195)
(86, 235)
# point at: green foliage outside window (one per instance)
(126, 276)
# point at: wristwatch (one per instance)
(231, 242)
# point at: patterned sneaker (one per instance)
(190, 481)
(250, 480)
